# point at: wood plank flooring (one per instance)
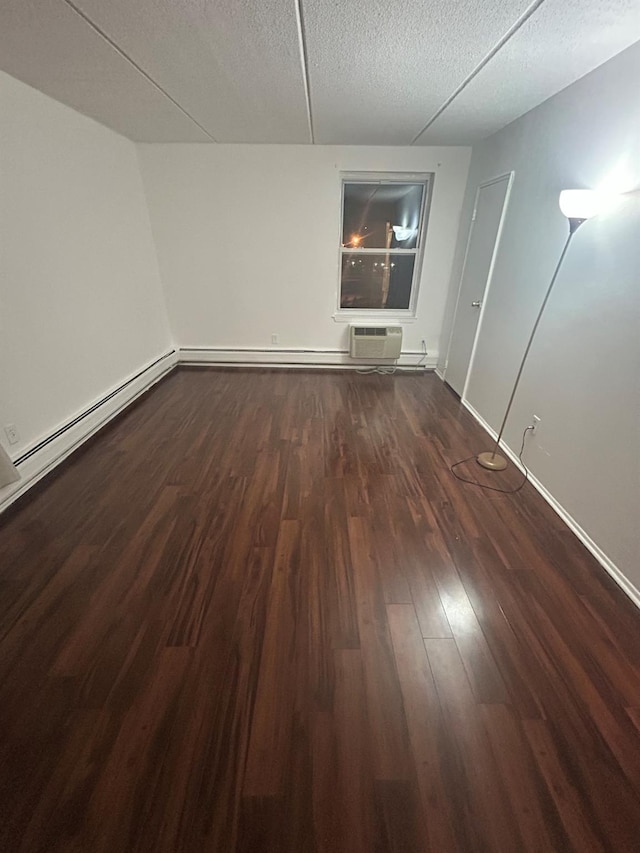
(258, 613)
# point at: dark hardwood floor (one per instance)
(258, 613)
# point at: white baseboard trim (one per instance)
(301, 358)
(619, 577)
(34, 462)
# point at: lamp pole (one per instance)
(491, 459)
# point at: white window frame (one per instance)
(425, 178)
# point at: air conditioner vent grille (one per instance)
(375, 342)
(374, 331)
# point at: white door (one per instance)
(482, 246)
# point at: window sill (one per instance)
(379, 316)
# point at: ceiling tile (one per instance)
(46, 44)
(379, 70)
(234, 65)
(232, 70)
(561, 42)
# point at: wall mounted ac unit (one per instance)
(375, 341)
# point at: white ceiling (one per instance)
(382, 72)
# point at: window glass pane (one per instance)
(381, 216)
(376, 281)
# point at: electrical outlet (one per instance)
(274, 339)
(11, 432)
(535, 420)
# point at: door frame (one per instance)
(509, 176)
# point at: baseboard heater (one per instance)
(67, 426)
(375, 341)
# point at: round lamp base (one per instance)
(491, 461)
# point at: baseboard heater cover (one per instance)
(66, 427)
(45, 456)
(292, 358)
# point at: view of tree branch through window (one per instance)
(382, 230)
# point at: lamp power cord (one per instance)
(495, 488)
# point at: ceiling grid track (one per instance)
(135, 65)
(483, 62)
(302, 36)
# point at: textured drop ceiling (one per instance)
(382, 72)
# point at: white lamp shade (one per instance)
(580, 204)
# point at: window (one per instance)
(383, 225)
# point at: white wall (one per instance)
(248, 237)
(81, 305)
(583, 373)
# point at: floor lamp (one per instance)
(577, 206)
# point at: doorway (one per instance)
(482, 247)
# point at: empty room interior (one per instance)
(319, 426)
